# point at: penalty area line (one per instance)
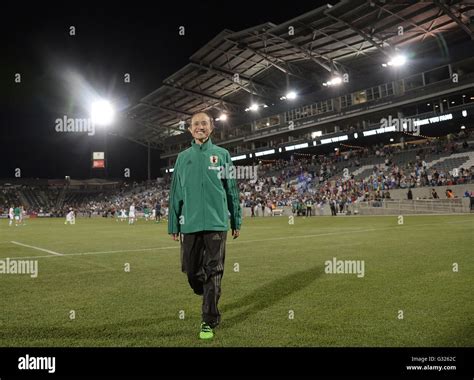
(97, 253)
(37, 248)
(237, 243)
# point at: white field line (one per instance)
(55, 254)
(37, 248)
(98, 253)
(238, 242)
(401, 213)
(360, 216)
(177, 245)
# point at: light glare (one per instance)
(102, 113)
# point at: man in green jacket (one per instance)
(203, 197)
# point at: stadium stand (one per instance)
(372, 174)
(329, 144)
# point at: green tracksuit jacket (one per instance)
(199, 200)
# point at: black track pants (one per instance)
(202, 259)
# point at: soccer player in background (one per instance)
(10, 216)
(17, 212)
(200, 201)
(146, 212)
(22, 215)
(131, 214)
(70, 217)
(158, 211)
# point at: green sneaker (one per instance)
(206, 331)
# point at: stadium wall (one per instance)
(286, 211)
(425, 192)
(422, 206)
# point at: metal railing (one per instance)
(419, 206)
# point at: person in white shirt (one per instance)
(22, 215)
(131, 214)
(70, 217)
(10, 216)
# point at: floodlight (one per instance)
(398, 60)
(102, 113)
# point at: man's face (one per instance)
(201, 127)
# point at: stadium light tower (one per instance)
(253, 107)
(398, 60)
(222, 117)
(335, 81)
(291, 95)
(102, 113)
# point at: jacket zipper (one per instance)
(202, 194)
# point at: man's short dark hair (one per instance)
(207, 113)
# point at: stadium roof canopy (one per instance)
(301, 53)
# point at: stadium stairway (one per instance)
(444, 163)
(458, 160)
(44, 199)
(61, 198)
(24, 200)
(364, 172)
(32, 197)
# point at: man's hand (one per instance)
(235, 233)
(175, 237)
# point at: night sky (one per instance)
(110, 40)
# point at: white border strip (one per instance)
(37, 248)
(55, 254)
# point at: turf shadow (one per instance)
(133, 329)
(269, 294)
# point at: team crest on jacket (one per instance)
(214, 159)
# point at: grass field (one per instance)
(408, 267)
